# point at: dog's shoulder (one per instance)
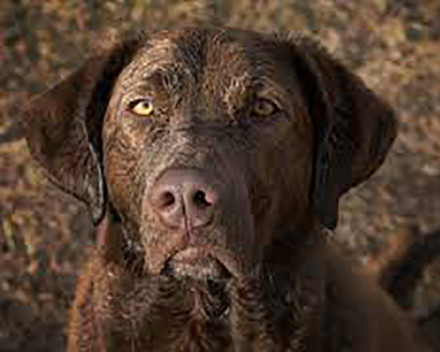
(359, 311)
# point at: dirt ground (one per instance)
(394, 45)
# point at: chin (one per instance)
(199, 264)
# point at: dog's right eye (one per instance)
(141, 107)
(264, 107)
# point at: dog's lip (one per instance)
(190, 255)
(195, 255)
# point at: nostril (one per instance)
(201, 199)
(184, 197)
(166, 199)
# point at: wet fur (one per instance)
(286, 287)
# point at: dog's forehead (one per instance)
(217, 53)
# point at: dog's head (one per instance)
(207, 145)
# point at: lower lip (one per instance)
(196, 262)
(190, 255)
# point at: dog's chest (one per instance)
(175, 319)
(186, 332)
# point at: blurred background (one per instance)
(391, 224)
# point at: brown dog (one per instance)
(212, 159)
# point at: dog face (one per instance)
(225, 122)
(209, 145)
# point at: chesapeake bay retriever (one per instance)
(212, 160)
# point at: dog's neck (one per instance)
(168, 314)
(276, 305)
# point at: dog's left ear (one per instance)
(63, 126)
(354, 128)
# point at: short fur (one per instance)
(265, 277)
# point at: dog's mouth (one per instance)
(197, 263)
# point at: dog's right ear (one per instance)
(64, 125)
(354, 128)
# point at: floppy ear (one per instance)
(63, 126)
(354, 128)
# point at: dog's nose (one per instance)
(184, 198)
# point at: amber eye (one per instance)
(141, 107)
(264, 107)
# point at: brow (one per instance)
(169, 76)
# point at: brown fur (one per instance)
(264, 277)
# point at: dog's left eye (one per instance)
(142, 107)
(264, 107)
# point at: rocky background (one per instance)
(391, 224)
